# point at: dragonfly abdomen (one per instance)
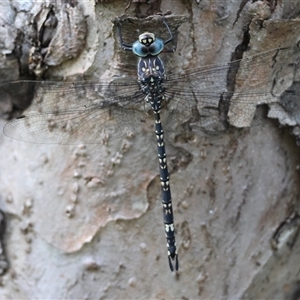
(166, 194)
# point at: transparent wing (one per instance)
(254, 84)
(72, 113)
(89, 112)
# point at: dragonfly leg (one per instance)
(170, 39)
(124, 46)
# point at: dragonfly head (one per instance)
(147, 45)
(147, 38)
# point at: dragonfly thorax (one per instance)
(150, 67)
(152, 86)
(151, 74)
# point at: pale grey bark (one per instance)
(86, 221)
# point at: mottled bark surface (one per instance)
(85, 221)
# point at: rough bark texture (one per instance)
(86, 221)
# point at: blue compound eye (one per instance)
(156, 47)
(143, 50)
(147, 44)
(140, 49)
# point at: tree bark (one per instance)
(85, 221)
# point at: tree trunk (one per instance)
(85, 221)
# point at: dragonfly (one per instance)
(90, 112)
